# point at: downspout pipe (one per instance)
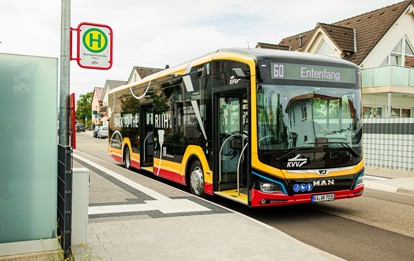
(355, 41)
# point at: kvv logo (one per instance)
(296, 162)
(233, 80)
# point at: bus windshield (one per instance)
(304, 117)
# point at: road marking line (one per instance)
(376, 177)
(162, 203)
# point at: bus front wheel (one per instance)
(197, 179)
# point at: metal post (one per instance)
(65, 172)
(64, 74)
(389, 104)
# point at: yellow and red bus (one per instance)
(260, 127)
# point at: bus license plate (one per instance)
(324, 197)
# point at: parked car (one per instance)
(96, 130)
(80, 127)
(103, 132)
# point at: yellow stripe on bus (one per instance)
(284, 174)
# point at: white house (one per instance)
(109, 85)
(381, 42)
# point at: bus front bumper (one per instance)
(260, 199)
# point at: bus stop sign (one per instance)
(94, 44)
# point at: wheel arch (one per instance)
(192, 154)
(193, 158)
(126, 144)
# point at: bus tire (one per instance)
(196, 179)
(127, 158)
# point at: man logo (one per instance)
(323, 172)
(296, 162)
(321, 183)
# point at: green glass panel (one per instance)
(411, 77)
(28, 147)
(367, 77)
(399, 76)
(382, 76)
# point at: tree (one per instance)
(84, 107)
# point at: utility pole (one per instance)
(64, 74)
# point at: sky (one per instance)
(159, 32)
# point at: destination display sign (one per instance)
(306, 72)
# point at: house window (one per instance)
(304, 113)
(401, 55)
(372, 112)
(405, 113)
(400, 113)
(378, 112)
(395, 59)
(292, 118)
(325, 49)
(408, 49)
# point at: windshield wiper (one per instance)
(291, 151)
(350, 149)
(344, 144)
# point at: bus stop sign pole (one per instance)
(64, 74)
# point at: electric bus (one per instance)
(257, 126)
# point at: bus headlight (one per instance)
(270, 187)
(360, 180)
(267, 184)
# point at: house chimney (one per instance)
(355, 41)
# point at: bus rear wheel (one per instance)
(127, 158)
(197, 179)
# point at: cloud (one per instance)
(159, 32)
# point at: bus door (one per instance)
(231, 134)
(147, 137)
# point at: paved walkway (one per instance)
(395, 181)
(133, 217)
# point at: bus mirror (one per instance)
(240, 73)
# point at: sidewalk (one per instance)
(132, 217)
(169, 224)
(395, 181)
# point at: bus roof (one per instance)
(248, 54)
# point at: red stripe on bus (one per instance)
(117, 158)
(279, 199)
(135, 164)
(208, 188)
(173, 176)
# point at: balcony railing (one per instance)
(388, 76)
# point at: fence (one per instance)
(65, 198)
(389, 143)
